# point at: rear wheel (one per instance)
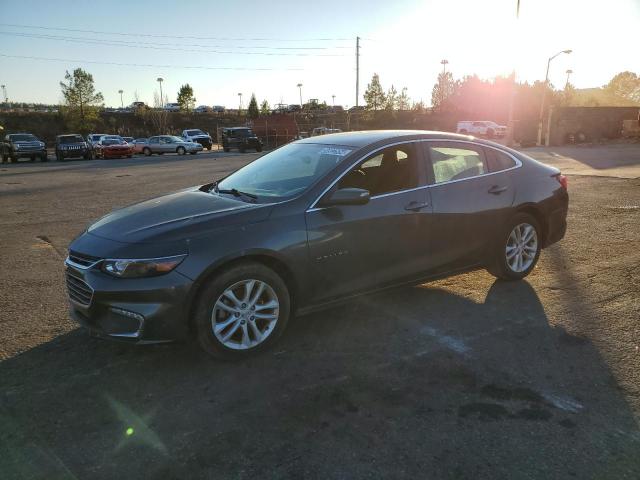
(226, 149)
(517, 253)
(181, 151)
(146, 151)
(241, 311)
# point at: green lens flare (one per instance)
(129, 431)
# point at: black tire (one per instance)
(213, 290)
(86, 156)
(32, 158)
(146, 151)
(181, 151)
(193, 153)
(242, 149)
(13, 159)
(498, 265)
(129, 156)
(226, 149)
(258, 149)
(44, 158)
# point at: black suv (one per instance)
(241, 138)
(72, 146)
(22, 145)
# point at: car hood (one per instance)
(177, 216)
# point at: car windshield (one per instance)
(245, 132)
(287, 171)
(71, 139)
(23, 138)
(195, 132)
(95, 138)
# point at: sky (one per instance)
(267, 48)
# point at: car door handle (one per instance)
(497, 189)
(415, 206)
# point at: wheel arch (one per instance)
(536, 213)
(266, 258)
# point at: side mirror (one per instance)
(347, 196)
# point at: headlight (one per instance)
(147, 267)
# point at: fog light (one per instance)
(127, 313)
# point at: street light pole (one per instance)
(4, 94)
(121, 102)
(160, 80)
(569, 72)
(300, 88)
(240, 107)
(544, 94)
(444, 65)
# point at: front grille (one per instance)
(82, 259)
(23, 147)
(203, 141)
(79, 290)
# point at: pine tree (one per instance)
(252, 110)
(81, 99)
(391, 102)
(186, 100)
(264, 108)
(374, 95)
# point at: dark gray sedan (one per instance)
(307, 225)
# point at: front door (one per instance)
(359, 247)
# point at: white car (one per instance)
(172, 107)
(202, 109)
(482, 128)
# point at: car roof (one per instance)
(367, 137)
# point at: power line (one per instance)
(147, 45)
(194, 67)
(265, 39)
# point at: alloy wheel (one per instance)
(245, 314)
(522, 247)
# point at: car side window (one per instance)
(153, 140)
(498, 161)
(390, 170)
(452, 161)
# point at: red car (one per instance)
(113, 146)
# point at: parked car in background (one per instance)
(112, 146)
(218, 109)
(172, 107)
(324, 131)
(198, 136)
(138, 144)
(170, 144)
(92, 141)
(22, 145)
(136, 105)
(483, 128)
(72, 146)
(128, 139)
(202, 109)
(241, 138)
(308, 224)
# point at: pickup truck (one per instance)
(22, 145)
(198, 136)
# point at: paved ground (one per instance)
(461, 378)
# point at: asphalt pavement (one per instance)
(463, 378)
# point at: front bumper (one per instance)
(28, 153)
(141, 310)
(74, 153)
(115, 153)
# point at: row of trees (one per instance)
(376, 98)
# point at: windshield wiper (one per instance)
(233, 191)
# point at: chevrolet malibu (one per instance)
(307, 225)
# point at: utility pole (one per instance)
(240, 107)
(4, 94)
(121, 102)
(300, 88)
(357, 69)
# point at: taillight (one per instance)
(562, 180)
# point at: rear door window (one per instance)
(451, 161)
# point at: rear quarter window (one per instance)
(498, 161)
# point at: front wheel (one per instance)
(181, 151)
(146, 151)
(517, 253)
(241, 311)
(44, 158)
(226, 149)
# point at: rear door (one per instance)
(470, 202)
(359, 247)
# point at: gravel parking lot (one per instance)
(466, 377)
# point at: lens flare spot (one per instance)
(129, 431)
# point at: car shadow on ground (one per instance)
(411, 382)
